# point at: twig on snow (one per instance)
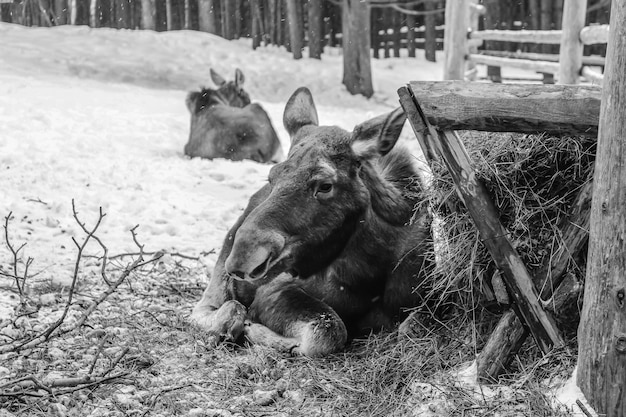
(46, 334)
(16, 259)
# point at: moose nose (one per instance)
(253, 253)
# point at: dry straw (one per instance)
(533, 181)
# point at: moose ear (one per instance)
(299, 111)
(217, 79)
(239, 78)
(377, 136)
(191, 102)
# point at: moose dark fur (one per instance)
(225, 124)
(335, 243)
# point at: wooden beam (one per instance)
(485, 216)
(593, 76)
(531, 36)
(455, 39)
(571, 50)
(594, 60)
(539, 66)
(591, 35)
(524, 108)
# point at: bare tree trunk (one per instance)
(601, 371)
(430, 33)
(148, 14)
(228, 19)
(316, 33)
(295, 21)
(238, 19)
(206, 16)
(168, 14)
(375, 28)
(93, 13)
(187, 14)
(387, 23)
(396, 18)
(73, 11)
(280, 31)
(558, 13)
(257, 23)
(357, 71)
(410, 36)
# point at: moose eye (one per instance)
(323, 189)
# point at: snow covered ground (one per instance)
(98, 117)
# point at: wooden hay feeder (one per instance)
(435, 110)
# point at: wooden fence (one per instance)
(568, 64)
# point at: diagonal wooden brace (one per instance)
(449, 147)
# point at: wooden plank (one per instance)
(571, 50)
(530, 36)
(416, 119)
(590, 35)
(524, 108)
(593, 76)
(594, 60)
(503, 343)
(455, 38)
(493, 236)
(539, 66)
(601, 373)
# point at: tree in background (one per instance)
(357, 69)
(207, 16)
(148, 14)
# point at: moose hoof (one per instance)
(229, 320)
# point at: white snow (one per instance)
(567, 395)
(98, 116)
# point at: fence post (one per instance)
(601, 371)
(571, 55)
(455, 39)
(475, 11)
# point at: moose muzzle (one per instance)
(254, 252)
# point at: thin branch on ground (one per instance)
(55, 328)
(16, 259)
(74, 383)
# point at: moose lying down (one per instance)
(333, 245)
(225, 124)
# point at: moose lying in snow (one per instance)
(334, 244)
(224, 124)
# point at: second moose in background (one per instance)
(225, 124)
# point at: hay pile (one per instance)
(533, 180)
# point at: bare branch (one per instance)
(15, 253)
(46, 334)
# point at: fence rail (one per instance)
(569, 64)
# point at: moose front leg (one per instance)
(258, 334)
(293, 320)
(225, 322)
